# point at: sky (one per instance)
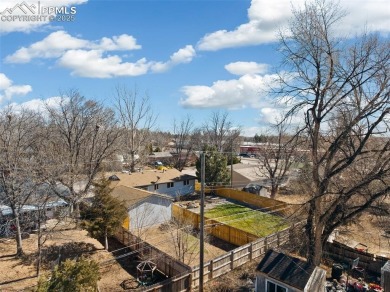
(190, 57)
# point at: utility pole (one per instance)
(201, 248)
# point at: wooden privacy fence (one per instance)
(262, 202)
(346, 254)
(179, 273)
(216, 228)
(184, 278)
(239, 256)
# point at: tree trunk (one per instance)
(39, 256)
(316, 249)
(132, 161)
(76, 214)
(19, 244)
(314, 230)
(274, 191)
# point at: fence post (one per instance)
(251, 251)
(232, 260)
(265, 244)
(278, 238)
(211, 269)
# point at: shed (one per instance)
(278, 272)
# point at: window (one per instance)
(186, 182)
(156, 187)
(170, 185)
(272, 287)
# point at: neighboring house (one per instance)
(165, 157)
(145, 209)
(169, 182)
(244, 174)
(278, 272)
(28, 215)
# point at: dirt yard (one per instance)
(165, 242)
(19, 274)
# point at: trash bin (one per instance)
(337, 271)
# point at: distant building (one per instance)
(165, 157)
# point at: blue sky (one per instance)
(191, 57)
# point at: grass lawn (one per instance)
(247, 219)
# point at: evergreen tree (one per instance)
(216, 171)
(71, 275)
(105, 214)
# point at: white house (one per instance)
(168, 182)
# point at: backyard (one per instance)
(252, 221)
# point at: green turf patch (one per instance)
(247, 219)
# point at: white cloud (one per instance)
(57, 43)
(28, 26)
(38, 104)
(87, 58)
(7, 90)
(122, 42)
(270, 114)
(248, 90)
(183, 55)
(242, 68)
(93, 64)
(266, 17)
(252, 131)
(5, 82)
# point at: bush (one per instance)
(72, 275)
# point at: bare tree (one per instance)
(197, 139)
(145, 216)
(19, 163)
(342, 89)
(160, 140)
(83, 134)
(185, 240)
(220, 132)
(182, 134)
(276, 156)
(137, 119)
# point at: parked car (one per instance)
(253, 188)
(159, 165)
(246, 155)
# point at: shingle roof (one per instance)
(148, 177)
(289, 270)
(129, 196)
(161, 155)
